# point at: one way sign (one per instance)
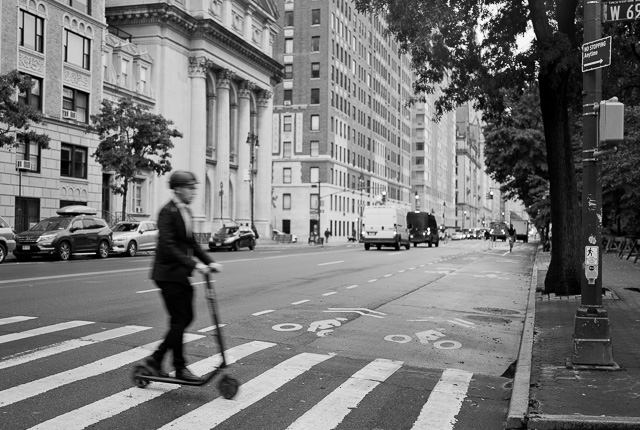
(596, 54)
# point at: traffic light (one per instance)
(490, 195)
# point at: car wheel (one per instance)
(3, 253)
(437, 243)
(367, 246)
(132, 249)
(252, 245)
(234, 247)
(103, 249)
(64, 251)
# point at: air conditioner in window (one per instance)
(287, 102)
(23, 165)
(138, 209)
(69, 114)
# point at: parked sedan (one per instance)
(457, 235)
(232, 238)
(281, 236)
(129, 237)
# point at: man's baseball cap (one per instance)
(182, 178)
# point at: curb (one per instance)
(582, 422)
(519, 403)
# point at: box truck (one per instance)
(522, 230)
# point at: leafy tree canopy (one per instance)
(15, 116)
(133, 140)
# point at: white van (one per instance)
(385, 226)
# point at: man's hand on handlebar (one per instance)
(206, 269)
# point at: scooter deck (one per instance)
(143, 373)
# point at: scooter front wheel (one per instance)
(228, 387)
(138, 372)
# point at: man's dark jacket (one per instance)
(173, 263)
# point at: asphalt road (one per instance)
(320, 338)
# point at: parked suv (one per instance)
(232, 238)
(7, 239)
(76, 230)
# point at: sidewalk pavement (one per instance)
(549, 396)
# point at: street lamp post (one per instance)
(221, 193)
(361, 184)
(252, 140)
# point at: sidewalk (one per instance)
(561, 398)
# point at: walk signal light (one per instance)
(490, 195)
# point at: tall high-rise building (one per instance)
(341, 131)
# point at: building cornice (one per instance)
(168, 15)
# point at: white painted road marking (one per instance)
(42, 330)
(445, 401)
(124, 400)
(215, 412)
(39, 386)
(300, 302)
(147, 291)
(72, 275)
(16, 319)
(362, 311)
(268, 311)
(331, 410)
(211, 328)
(330, 293)
(331, 262)
(68, 345)
(352, 286)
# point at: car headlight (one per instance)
(46, 238)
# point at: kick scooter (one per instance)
(143, 375)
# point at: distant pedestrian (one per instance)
(327, 233)
(512, 236)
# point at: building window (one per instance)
(73, 161)
(288, 123)
(315, 122)
(286, 202)
(286, 175)
(124, 72)
(288, 18)
(315, 17)
(83, 6)
(77, 50)
(288, 71)
(136, 196)
(315, 70)
(77, 102)
(33, 96)
(31, 31)
(143, 79)
(315, 96)
(315, 44)
(288, 96)
(313, 202)
(288, 46)
(315, 148)
(286, 150)
(30, 152)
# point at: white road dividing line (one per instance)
(445, 401)
(68, 345)
(147, 291)
(85, 275)
(331, 293)
(210, 328)
(215, 412)
(124, 400)
(331, 262)
(388, 274)
(331, 410)
(11, 320)
(39, 386)
(268, 311)
(351, 287)
(300, 302)
(372, 280)
(42, 330)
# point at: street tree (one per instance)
(133, 140)
(16, 117)
(474, 44)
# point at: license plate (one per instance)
(26, 247)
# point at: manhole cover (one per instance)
(488, 319)
(497, 311)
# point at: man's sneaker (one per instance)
(186, 375)
(154, 365)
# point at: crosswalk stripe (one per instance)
(445, 401)
(31, 389)
(213, 413)
(42, 330)
(10, 320)
(331, 410)
(108, 407)
(68, 345)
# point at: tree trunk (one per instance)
(564, 275)
(125, 191)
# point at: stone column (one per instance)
(244, 153)
(221, 214)
(198, 135)
(263, 178)
(247, 31)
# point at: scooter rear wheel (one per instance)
(138, 372)
(228, 387)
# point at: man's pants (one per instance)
(178, 300)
